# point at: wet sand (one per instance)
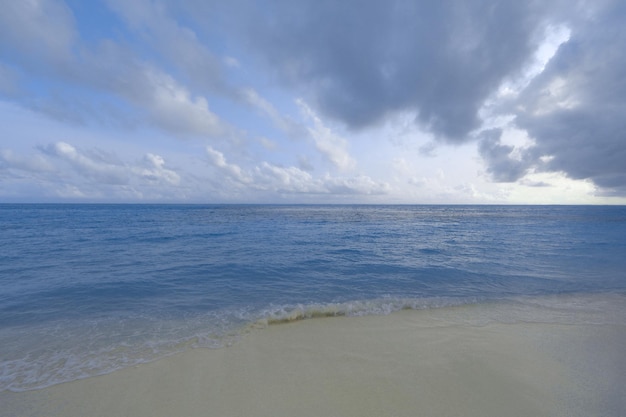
(410, 363)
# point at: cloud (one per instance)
(267, 177)
(359, 185)
(575, 109)
(231, 62)
(8, 81)
(41, 37)
(363, 61)
(36, 31)
(34, 164)
(291, 180)
(152, 94)
(65, 170)
(230, 172)
(173, 108)
(155, 171)
(292, 128)
(332, 146)
(374, 79)
(177, 44)
(502, 165)
(96, 165)
(180, 46)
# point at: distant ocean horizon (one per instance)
(89, 288)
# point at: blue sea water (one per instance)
(86, 289)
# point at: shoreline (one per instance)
(87, 352)
(412, 362)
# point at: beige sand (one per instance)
(411, 363)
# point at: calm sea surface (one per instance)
(86, 289)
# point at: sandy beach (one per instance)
(410, 363)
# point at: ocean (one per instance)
(88, 289)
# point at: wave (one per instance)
(387, 305)
(38, 358)
(566, 309)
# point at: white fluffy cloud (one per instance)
(331, 145)
(65, 170)
(291, 180)
(42, 37)
(95, 166)
(173, 108)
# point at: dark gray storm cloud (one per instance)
(501, 165)
(361, 61)
(576, 109)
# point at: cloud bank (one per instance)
(245, 99)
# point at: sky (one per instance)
(313, 101)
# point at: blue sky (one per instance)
(313, 101)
